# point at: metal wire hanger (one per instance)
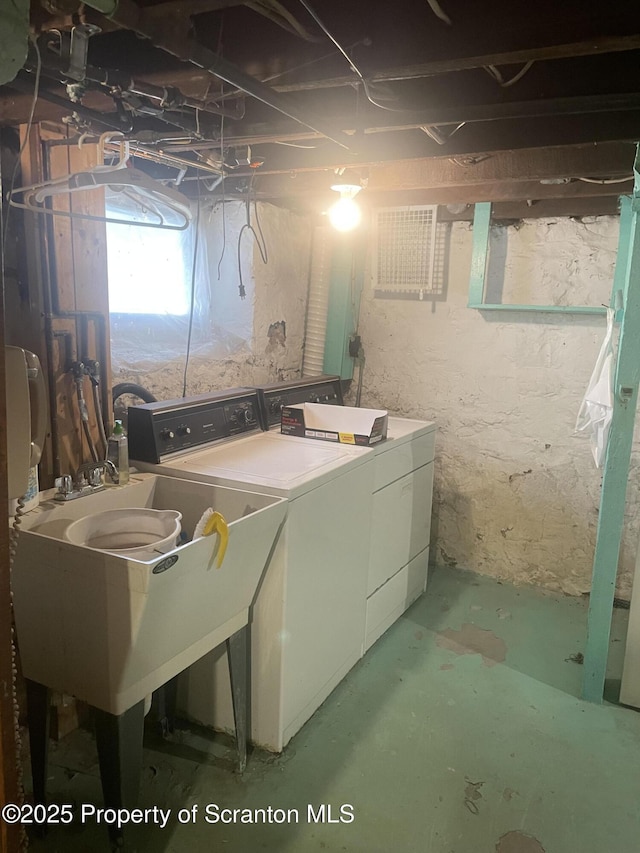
(151, 196)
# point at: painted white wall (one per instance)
(516, 494)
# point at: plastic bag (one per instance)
(594, 417)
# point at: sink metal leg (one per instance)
(166, 703)
(238, 646)
(38, 697)
(119, 742)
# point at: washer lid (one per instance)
(263, 459)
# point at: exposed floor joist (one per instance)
(463, 63)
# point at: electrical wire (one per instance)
(224, 215)
(282, 16)
(434, 132)
(497, 75)
(365, 85)
(14, 532)
(296, 145)
(193, 294)
(439, 12)
(234, 92)
(84, 418)
(36, 91)
(491, 70)
(258, 236)
(606, 180)
(264, 254)
(222, 170)
(99, 416)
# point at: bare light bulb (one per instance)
(345, 215)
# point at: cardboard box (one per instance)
(342, 424)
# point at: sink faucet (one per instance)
(111, 470)
(87, 480)
(89, 474)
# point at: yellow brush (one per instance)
(214, 522)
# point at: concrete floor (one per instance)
(460, 732)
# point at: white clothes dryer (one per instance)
(401, 500)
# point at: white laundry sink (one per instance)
(110, 629)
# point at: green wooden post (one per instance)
(616, 470)
(480, 253)
(620, 275)
(347, 276)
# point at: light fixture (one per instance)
(345, 214)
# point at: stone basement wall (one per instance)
(258, 339)
(516, 494)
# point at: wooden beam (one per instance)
(389, 145)
(371, 124)
(510, 174)
(539, 108)
(17, 97)
(15, 108)
(534, 194)
(165, 36)
(462, 63)
(601, 46)
(186, 8)
(608, 160)
(547, 208)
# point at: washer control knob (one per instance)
(242, 416)
(184, 430)
(167, 434)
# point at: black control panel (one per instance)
(309, 389)
(159, 430)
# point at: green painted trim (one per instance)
(478, 274)
(616, 470)
(347, 277)
(480, 253)
(544, 309)
(620, 274)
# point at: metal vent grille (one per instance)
(409, 253)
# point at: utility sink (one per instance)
(110, 629)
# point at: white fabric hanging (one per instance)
(596, 410)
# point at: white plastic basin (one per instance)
(134, 532)
(110, 628)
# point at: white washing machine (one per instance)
(401, 500)
(309, 615)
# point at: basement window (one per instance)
(149, 268)
(409, 253)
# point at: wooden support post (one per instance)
(347, 276)
(480, 253)
(616, 471)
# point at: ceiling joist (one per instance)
(164, 36)
(436, 67)
(564, 86)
